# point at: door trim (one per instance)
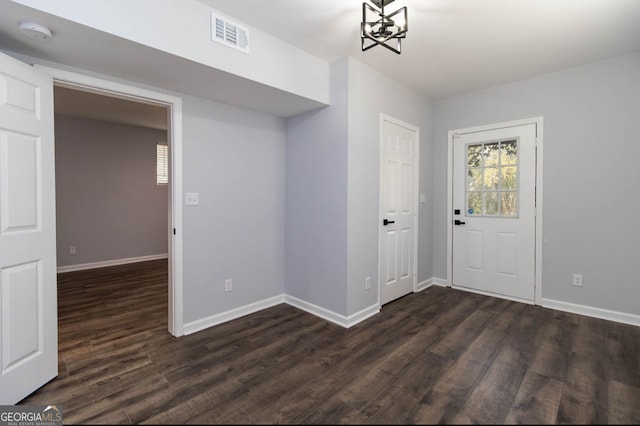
(174, 105)
(538, 121)
(416, 204)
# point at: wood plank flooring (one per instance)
(438, 356)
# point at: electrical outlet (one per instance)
(72, 250)
(367, 283)
(228, 285)
(577, 280)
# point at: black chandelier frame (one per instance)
(383, 28)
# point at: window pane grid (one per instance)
(492, 179)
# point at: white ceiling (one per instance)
(456, 46)
(452, 47)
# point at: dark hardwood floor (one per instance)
(438, 356)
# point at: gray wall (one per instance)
(333, 161)
(107, 202)
(316, 202)
(235, 160)
(591, 184)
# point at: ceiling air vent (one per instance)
(229, 33)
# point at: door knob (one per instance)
(386, 222)
(458, 222)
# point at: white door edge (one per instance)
(174, 104)
(416, 204)
(538, 121)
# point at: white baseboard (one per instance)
(232, 314)
(104, 263)
(341, 320)
(323, 313)
(351, 320)
(431, 281)
(424, 285)
(592, 312)
(441, 282)
(589, 311)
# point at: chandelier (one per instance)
(380, 29)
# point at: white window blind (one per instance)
(162, 164)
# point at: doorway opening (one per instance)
(171, 107)
(112, 216)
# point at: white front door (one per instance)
(28, 300)
(398, 205)
(494, 178)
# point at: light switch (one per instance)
(192, 199)
(423, 198)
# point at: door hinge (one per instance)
(174, 231)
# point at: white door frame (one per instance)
(538, 121)
(416, 204)
(174, 105)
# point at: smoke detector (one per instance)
(35, 31)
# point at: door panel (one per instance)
(28, 316)
(494, 197)
(21, 286)
(398, 185)
(507, 253)
(475, 251)
(19, 158)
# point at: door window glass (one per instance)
(492, 179)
